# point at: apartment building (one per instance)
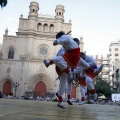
(103, 59)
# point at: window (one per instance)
(45, 27)
(11, 53)
(109, 50)
(51, 28)
(116, 54)
(116, 49)
(39, 27)
(116, 59)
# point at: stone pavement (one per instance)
(14, 109)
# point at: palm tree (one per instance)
(3, 3)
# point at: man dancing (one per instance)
(89, 81)
(86, 80)
(65, 61)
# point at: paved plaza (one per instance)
(15, 109)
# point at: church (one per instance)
(22, 70)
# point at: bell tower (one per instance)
(59, 13)
(33, 10)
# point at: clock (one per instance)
(43, 50)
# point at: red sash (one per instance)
(72, 57)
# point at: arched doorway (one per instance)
(40, 89)
(73, 92)
(7, 88)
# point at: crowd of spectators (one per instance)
(54, 99)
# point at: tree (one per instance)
(102, 87)
(3, 3)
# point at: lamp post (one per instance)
(25, 87)
(16, 85)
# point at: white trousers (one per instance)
(69, 88)
(89, 82)
(60, 62)
(62, 84)
(83, 64)
(82, 90)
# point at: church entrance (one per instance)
(40, 89)
(73, 92)
(7, 88)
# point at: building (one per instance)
(21, 58)
(103, 59)
(114, 52)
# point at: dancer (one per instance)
(65, 79)
(83, 79)
(68, 60)
(90, 60)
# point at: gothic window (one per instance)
(39, 27)
(59, 13)
(11, 53)
(51, 28)
(45, 27)
(33, 10)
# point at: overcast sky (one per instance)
(97, 21)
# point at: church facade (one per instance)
(21, 58)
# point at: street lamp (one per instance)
(16, 85)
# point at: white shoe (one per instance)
(92, 102)
(61, 105)
(46, 63)
(69, 101)
(81, 102)
(97, 71)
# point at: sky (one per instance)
(97, 21)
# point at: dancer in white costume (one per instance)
(89, 81)
(68, 60)
(86, 81)
(69, 85)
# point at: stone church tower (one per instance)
(21, 58)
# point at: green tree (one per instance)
(3, 3)
(102, 87)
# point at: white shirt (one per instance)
(67, 42)
(61, 51)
